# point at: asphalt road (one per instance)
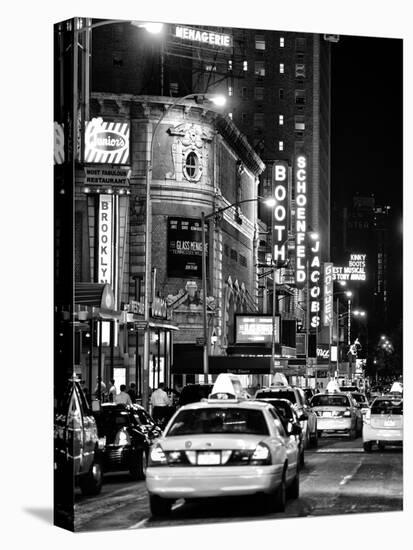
(338, 478)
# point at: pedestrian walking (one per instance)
(132, 392)
(160, 403)
(122, 397)
(102, 385)
(112, 391)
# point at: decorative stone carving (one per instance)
(191, 138)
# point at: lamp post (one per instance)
(204, 218)
(349, 294)
(218, 100)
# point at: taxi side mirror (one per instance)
(295, 430)
(304, 416)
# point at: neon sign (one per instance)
(301, 220)
(281, 218)
(315, 290)
(328, 294)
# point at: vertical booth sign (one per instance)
(281, 211)
(300, 220)
(105, 239)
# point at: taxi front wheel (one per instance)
(160, 507)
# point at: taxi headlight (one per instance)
(157, 456)
(261, 455)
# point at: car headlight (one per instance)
(122, 438)
(261, 455)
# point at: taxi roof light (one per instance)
(227, 387)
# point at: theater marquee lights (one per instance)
(281, 211)
(300, 220)
(204, 36)
(354, 271)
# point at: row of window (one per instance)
(259, 69)
(259, 94)
(260, 44)
(234, 255)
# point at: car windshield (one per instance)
(278, 394)
(219, 421)
(282, 408)
(330, 401)
(387, 406)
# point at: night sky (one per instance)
(367, 134)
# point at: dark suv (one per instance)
(128, 432)
(77, 448)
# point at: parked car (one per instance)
(192, 393)
(337, 412)
(129, 431)
(289, 418)
(223, 446)
(77, 446)
(383, 424)
(306, 415)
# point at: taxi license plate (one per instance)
(327, 413)
(389, 423)
(209, 458)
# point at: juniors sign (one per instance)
(203, 36)
(281, 209)
(185, 247)
(301, 220)
(105, 239)
(106, 142)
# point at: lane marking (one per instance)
(139, 524)
(339, 450)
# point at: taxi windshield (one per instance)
(219, 421)
(387, 406)
(359, 397)
(330, 401)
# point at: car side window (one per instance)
(278, 423)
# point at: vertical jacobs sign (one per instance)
(281, 212)
(105, 239)
(328, 294)
(300, 220)
(314, 284)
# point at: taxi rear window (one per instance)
(387, 406)
(278, 394)
(219, 421)
(330, 401)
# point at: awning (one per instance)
(188, 359)
(95, 300)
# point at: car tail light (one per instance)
(157, 457)
(347, 413)
(261, 455)
(366, 417)
(122, 438)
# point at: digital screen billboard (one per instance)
(256, 329)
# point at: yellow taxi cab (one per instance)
(225, 445)
(337, 412)
(383, 424)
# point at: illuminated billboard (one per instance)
(300, 220)
(328, 294)
(281, 212)
(314, 283)
(256, 329)
(355, 270)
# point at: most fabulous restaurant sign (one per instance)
(185, 247)
(204, 36)
(105, 239)
(106, 142)
(355, 270)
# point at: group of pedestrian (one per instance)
(126, 397)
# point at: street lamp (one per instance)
(199, 98)
(205, 361)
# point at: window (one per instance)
(230, 64)
(281, 120)
(300, 44)
(230, 115)
(234, 254)
(173, 88)
(191, 166)
(230, 91)
(281, 68)
(210, 67)
(244, 92)
(259, 93)
(245, 65)
(299, 123)
(243, 260)
(300, 97)
(260, 42)
(299, 70)
(282, 42)
(259, 68)
(281, 93)
(117, 61)
(281, 146)
(244, 117)
(258, 120)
